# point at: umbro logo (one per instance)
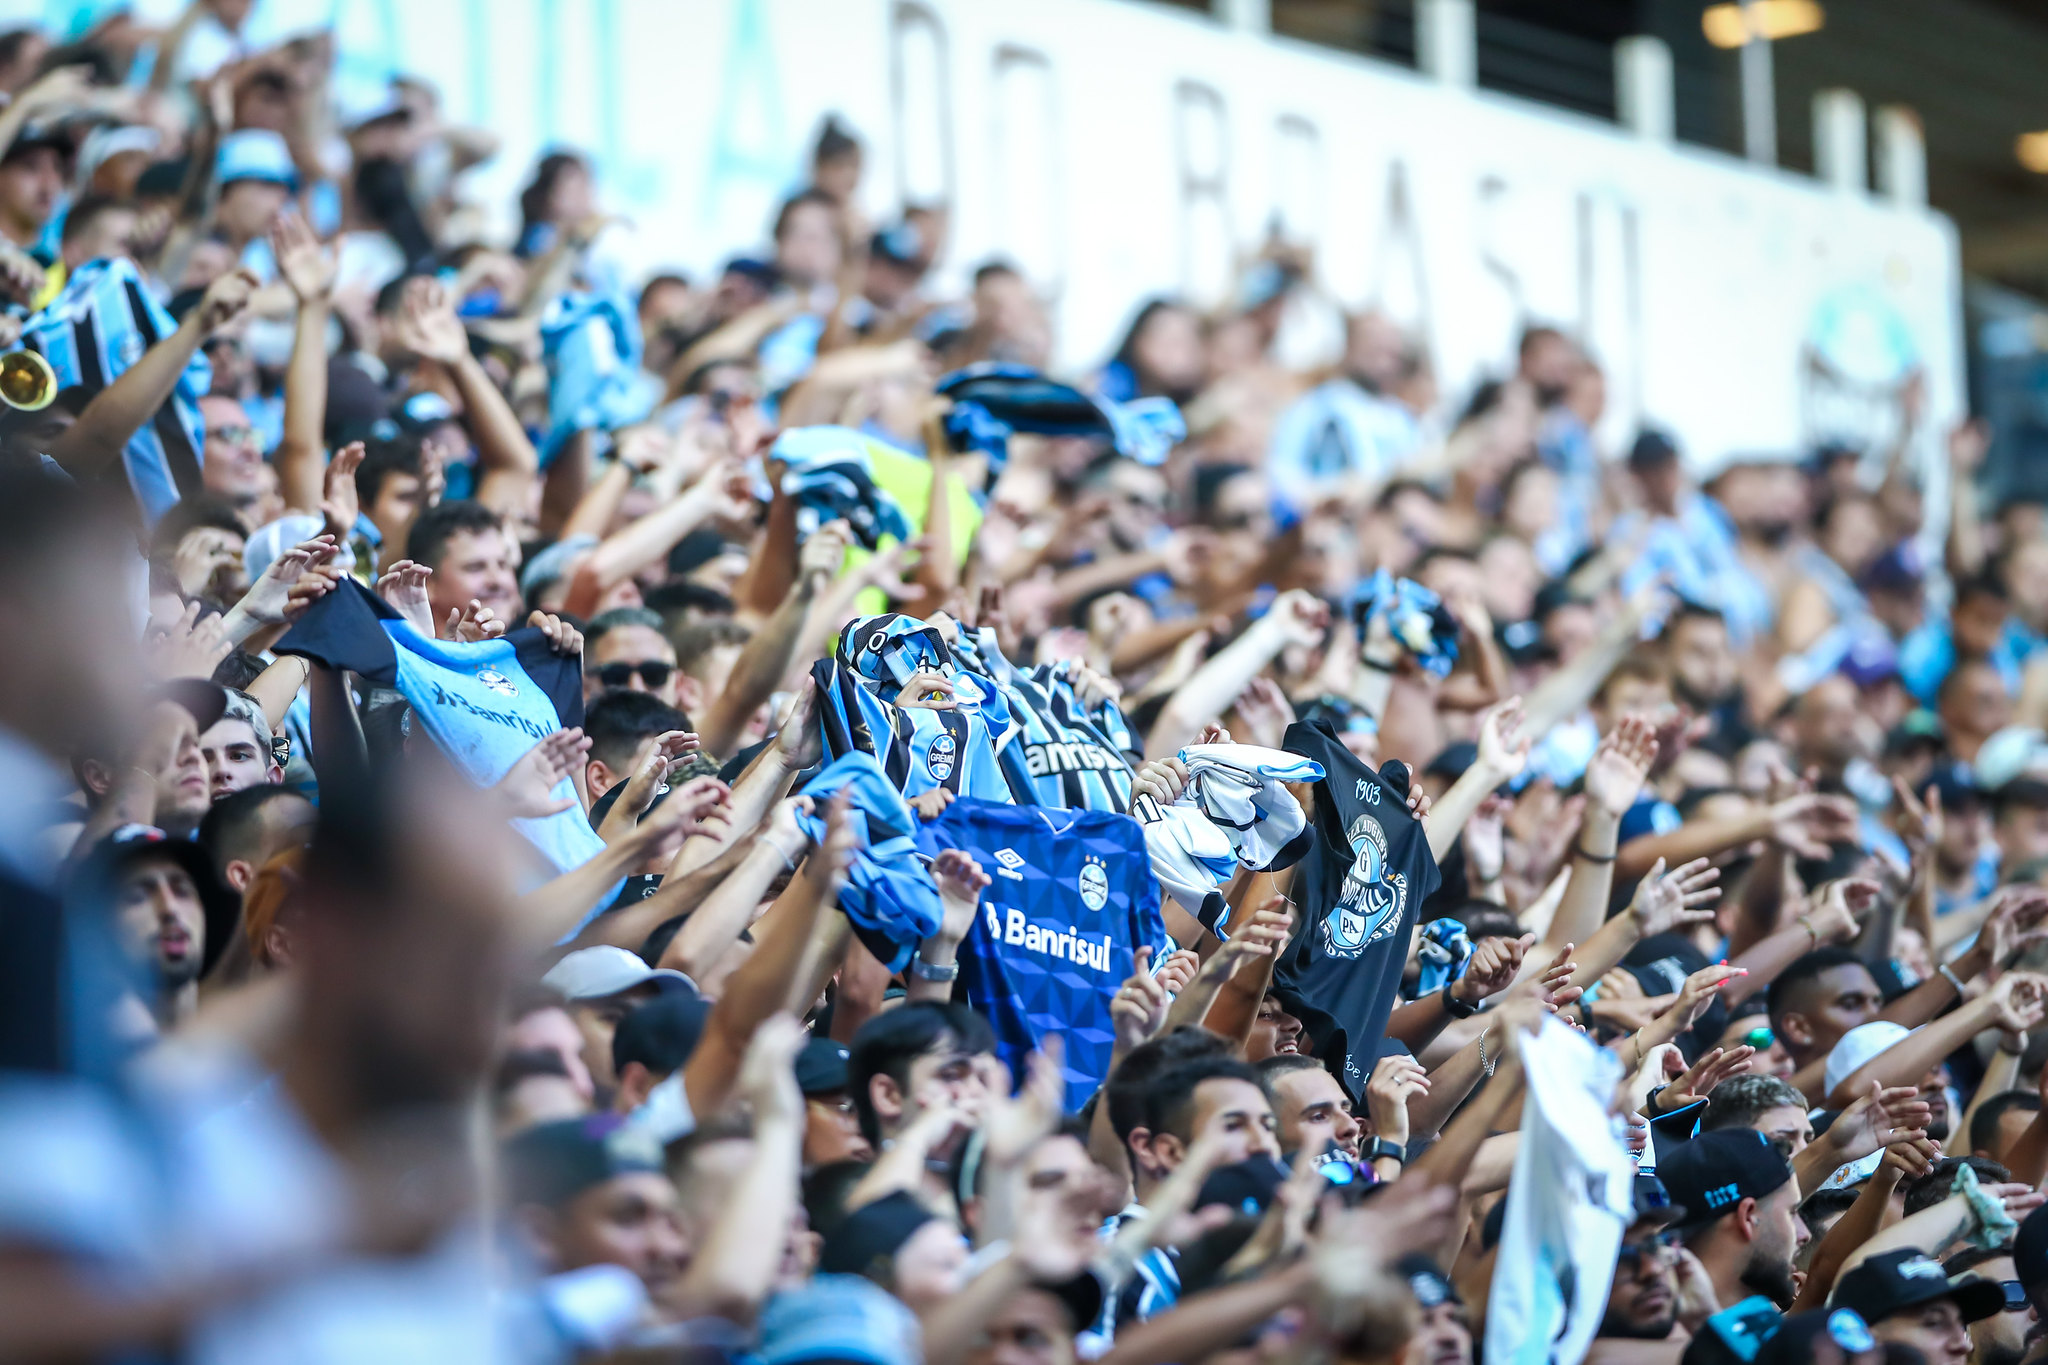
(1010, 860)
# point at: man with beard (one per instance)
(1742, 1213)
(1311, 1109)
(1703, 672)
(1642, 1304)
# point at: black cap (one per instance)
(1452, 760)
(1793, 1342)
(661, 1034)
(2030, 1249)
(821, 1067)
(1734, 1335)
(1894, 1281)
(1426, 1281)
(1714, 1172)
(1652, 448)
(552, 1163)
(1246, 1187)
(865, 1239)
(131, 844)
(1653, 1201)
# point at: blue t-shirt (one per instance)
(1070, 899)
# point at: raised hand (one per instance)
(563, 638)
(1697, 1081)
(1300, 618)
(1485, 839)
(526, 791)
(1920, 825)
(767, 1076)
(270, 594)
(307, 267)
(426, 324)
(1264, 934)
(1878, 1119)
(832, 859)
(315, 583)
(1805, 824)
(472, 623)
(1263, 710)
(403, 587)
(1138, 1009)
(1842, 905)
(187, 646)
(338, 501)
(960, 881)
(1394, 1082)
(1503, 743)
(225, 299)
(1699, 991)
(1492, 968)
(1179, 969)
(927, 689)
(2021, 999)
(1621, 764)
(1664, 901)
(824, 553)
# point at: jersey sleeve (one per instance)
(345, 629)
(557, 675)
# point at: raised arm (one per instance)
(772, 649)
(507, 463)
(1296, 617)
(301, 450)
(93, 443)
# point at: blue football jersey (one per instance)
(919, 749)
(1061, 753)
(1070, 899)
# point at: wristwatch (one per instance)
(1375, 1148)
(1457, 1008)
(925, 971)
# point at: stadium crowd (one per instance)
(554, 815)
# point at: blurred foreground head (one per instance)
(406, 955)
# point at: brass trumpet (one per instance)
(27, 383)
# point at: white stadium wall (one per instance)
(1116, 150)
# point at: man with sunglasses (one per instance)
(233, 467)
(624, 647)
(1642, 1304)
(2000, 1339)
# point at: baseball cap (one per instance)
(1245, 1187)
(552, 564)
(255, 154)
(838, 1318)
(552, 1163)
(47, 134)
(1921, 727)
(1894, 1281)
(131, 844)
(821, 1067)
(423, 411)
(1426, 1281)
(593, 973)
(1857, 1047)
(1715, 1171)
(1870, 660)
(273, 538)
(206, 701)
(1793, 1342)
(872, 1233)
(1735, 1335)
(661, 1034)
(1653, 1201)
(104, 143)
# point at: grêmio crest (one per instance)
(1369, 907)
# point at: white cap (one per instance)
(111, 140)
(1858, 1046)
(593, 973)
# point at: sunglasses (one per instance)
(1656, 1244)
(653, 672)
(2015, 1296)
(233, 435)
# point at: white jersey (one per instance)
(1571, 1198)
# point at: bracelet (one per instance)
(1806, 923)
(1375, 665)
(1580, 850)
(1485, 1065)
(1456, 1008)
(1950, 977)
(925, 971)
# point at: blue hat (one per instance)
(839, 1317)
(255, 154)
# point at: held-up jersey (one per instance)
(919, 748)
(1070, 899)
(485, 704)
(1062, 753)
(1360, 887)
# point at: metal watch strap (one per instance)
(925, 971)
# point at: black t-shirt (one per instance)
(1360, 887)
